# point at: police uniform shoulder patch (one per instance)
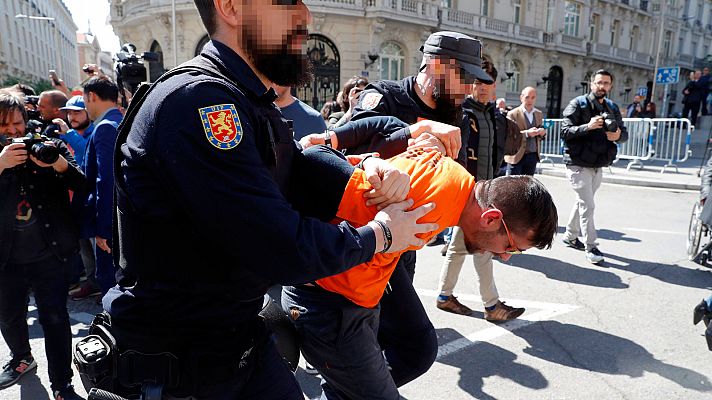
(222, 125)
(371, 100)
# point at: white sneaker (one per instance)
(594, 256)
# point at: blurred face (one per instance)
(698, 75)
(705, 71)
(637, 99)
(601, 85)
(453, 83)
(47, 111)
(78, 119)
(273, 34)
(528, 98)
(14, 125)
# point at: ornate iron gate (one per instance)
(327, 76)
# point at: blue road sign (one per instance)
(667, 75)
(642, 91)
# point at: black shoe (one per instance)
(67, 393)
(14, 369)
(700, 312)
(574, 244)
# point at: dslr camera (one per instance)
(36, 146)
(609, 122)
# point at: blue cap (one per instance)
(76, 103)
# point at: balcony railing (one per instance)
(420, 9)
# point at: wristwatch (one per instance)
(327, 138)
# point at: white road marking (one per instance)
(654, 231)
(547, 311)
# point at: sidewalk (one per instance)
(685, 178)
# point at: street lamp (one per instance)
(53, 22)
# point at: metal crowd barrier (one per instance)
(661, 139)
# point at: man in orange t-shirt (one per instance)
(337, 317)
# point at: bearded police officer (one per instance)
(203, 228)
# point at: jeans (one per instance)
(347, 342)
(525, 166)
(105, 270)
(48, 279)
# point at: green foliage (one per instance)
(40, 85)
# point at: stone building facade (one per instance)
(29, 48)
(553, 45)
(89, 52)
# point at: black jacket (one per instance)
(586, 148)
(48, 193)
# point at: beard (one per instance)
(280, 66)
(449, 112)
(80, 125)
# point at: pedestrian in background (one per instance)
(694, 92)
(529, 121)
(305, 119)
(590, 145)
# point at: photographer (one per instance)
(37, 238)
(591, 128)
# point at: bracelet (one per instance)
(387, 236)
(327, 138)
(360, 164)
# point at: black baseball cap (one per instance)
(466, 50)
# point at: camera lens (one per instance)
(46, 154)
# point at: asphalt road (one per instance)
(622, 330)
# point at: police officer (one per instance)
(203, 227)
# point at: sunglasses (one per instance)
(512, 249)
(285, 2)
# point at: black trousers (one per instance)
(691, 107)
(49, 279)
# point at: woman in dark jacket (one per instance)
(650, 111)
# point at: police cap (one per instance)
(467, 51)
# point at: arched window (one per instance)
(155, 68)
(513, 81)
(205, 39)
(392, 61)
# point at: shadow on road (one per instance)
(668, 273)
(566, 272)
(615, 235)
(496, 361)
(31, 388)
(587, 349)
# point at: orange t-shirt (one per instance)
(433, 178)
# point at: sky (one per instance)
(94, 14)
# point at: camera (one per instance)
(129, 66)
(609, 122)
(31, 103)
(35, 146)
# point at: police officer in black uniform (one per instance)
(202, 167)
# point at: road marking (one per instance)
(654, 231)
(547, 311)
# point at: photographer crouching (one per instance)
(591, 128)
(37, 237)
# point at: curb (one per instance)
(628, 181)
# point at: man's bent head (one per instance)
(507, 215)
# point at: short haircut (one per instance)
(350, 84)
(24, 89)
(601, 72)
(526, 205)
(103, 87)
(489, 69)
(8, 104)
(56, 98)
(206, 9)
